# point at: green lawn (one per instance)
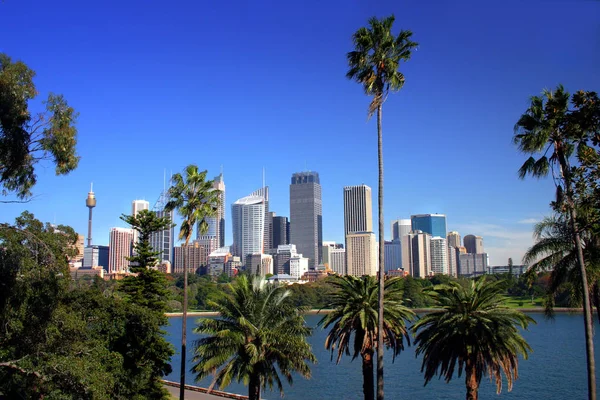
(523, 302)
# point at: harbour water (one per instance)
(555, 370)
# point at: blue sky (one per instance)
(247, 85)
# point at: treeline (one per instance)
(204, 289)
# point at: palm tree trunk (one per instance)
(587, 312)
(184, 325)
(381, 258)
(367, 370)
(254, 388)
(471, 381)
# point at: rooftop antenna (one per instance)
(263, 178)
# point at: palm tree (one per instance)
(374, 63)
(195, 200)
(354, 322)
(475, 330)
(554, 250)
(259, 335)
(546, 129)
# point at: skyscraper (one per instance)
(439, 255)
(306, 215)
(453, 239)
(393, 254)
(472, 264)
(452, 261)
(434, 224)
(334, 257)
(214, 237)
(120, 246)
(400, 228)
(280, 231)
(474, 244)
(358, 210)
(361, 254)
(268, 229)
(136, 207)
(418, 249)
(248, 222)
(163, 241)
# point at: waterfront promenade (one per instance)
(198, 393)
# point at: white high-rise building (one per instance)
(358, 209)
(248, 222)
(439, 255)
(298, 266)
(452, 261)
(136, 207)
(400, 228)
(337, 261)
(214, 237)
(120, 246)
(361, 254)
(418, 253)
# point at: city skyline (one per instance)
(318, 120)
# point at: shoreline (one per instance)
(540, 310)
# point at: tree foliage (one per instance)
(354, 322)
(473, 331)
(27, 138)
(259, 338)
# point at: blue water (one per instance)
(555, 370)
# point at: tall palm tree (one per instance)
(546, 130)
(554, 250)
(195, 201)
(354, 322)
(475, 330)
(374, 63)
(259, 335)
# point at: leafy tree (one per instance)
(550, 129)
(195, 201)
(26, 139)
(374, 63)
(555, 251)
(473, 330)
(355, 316)
(148, 289)
(259, 338)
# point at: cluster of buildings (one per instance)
(293, 250)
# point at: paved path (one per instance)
(189, 395)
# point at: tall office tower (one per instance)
(248, 222)
(471, 264)
(267, 232)
(136, 207)
(474, 244)
(163, 241)
(439, 255)
(434, 224)
(214, 237)
(453, 239)
(120, 246)
(400, 228)
(280, 231)
(419, 253)
(393, 255)
(219, 220)
(306, 215)
(358, 209)
(95, 256)
(452, 261)
(195, 257)
(361, 254)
